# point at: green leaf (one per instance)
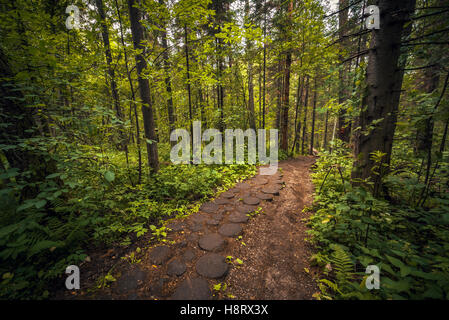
(109, 176)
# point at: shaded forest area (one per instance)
(89, 99)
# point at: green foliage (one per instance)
(352, 229)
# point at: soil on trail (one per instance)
(276, 254)
(258, 256)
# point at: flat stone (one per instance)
(217, 217)
(157, 287)
(130, 281)
(264, 196)
(260, 181)
(192, 237)
(234, 190)
(209, 207)
(160, 254)
(242, 186)
(221, 201)
(188, 255)
(176, 226)
(212, 266)
(227, 195)
(198, 218)
(238, 217)
(213, 222)
(246, 209)
(230, 229)
(193, 289)
(253, 201)
(176, 268)
(212, 242)
(271, 190)
(194, 227)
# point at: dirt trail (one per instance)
(276, 254)
(195, 257)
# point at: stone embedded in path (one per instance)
(209, 207)
(196, 227)
(260, 181)
(253, 201)
(176, 268)
(212, 242)
(188, 255)
(242, 186)
(192, 237)
(193, 289)
(234, 190)
(230, 229)
(176, 226)
(130, 281)
(217, 216)
(264, 196)
(157, 287)
(160, 254)
(221, 201)
(246, 208)
(213, 222)
(238, 217)
(212, 266)
(227, 195)
(271, 190)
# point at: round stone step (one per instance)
(212, 242)
(238, 217)
(271, 190)
(246, 208)
(242, 186)
(264, 196)
(230, 229)
(194, 227)
(160, 254)
(188, 255)
(213, 222)
(227, 195)
(209, 207)
(193, 289)
(221, 201)
(176, 268)
(212, 266)
(260, 181)
(253, 201)
(130, 281)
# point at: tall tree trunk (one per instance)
(384, 83)
(286, 85)
(252, 115)
(144, 87)
(111, 73)
(186, 42)
(166, 57)
(304, 122)
(133, 104)
(343, 128)
(313, 118)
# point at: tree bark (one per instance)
(144, 87)
(384, 82)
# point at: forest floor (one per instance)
(224, 251)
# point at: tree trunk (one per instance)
(111, 73)
(144, 87)
(313, 118)
(343, 129)
(304, 123)
(384, 82)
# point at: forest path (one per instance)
(269, 254)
